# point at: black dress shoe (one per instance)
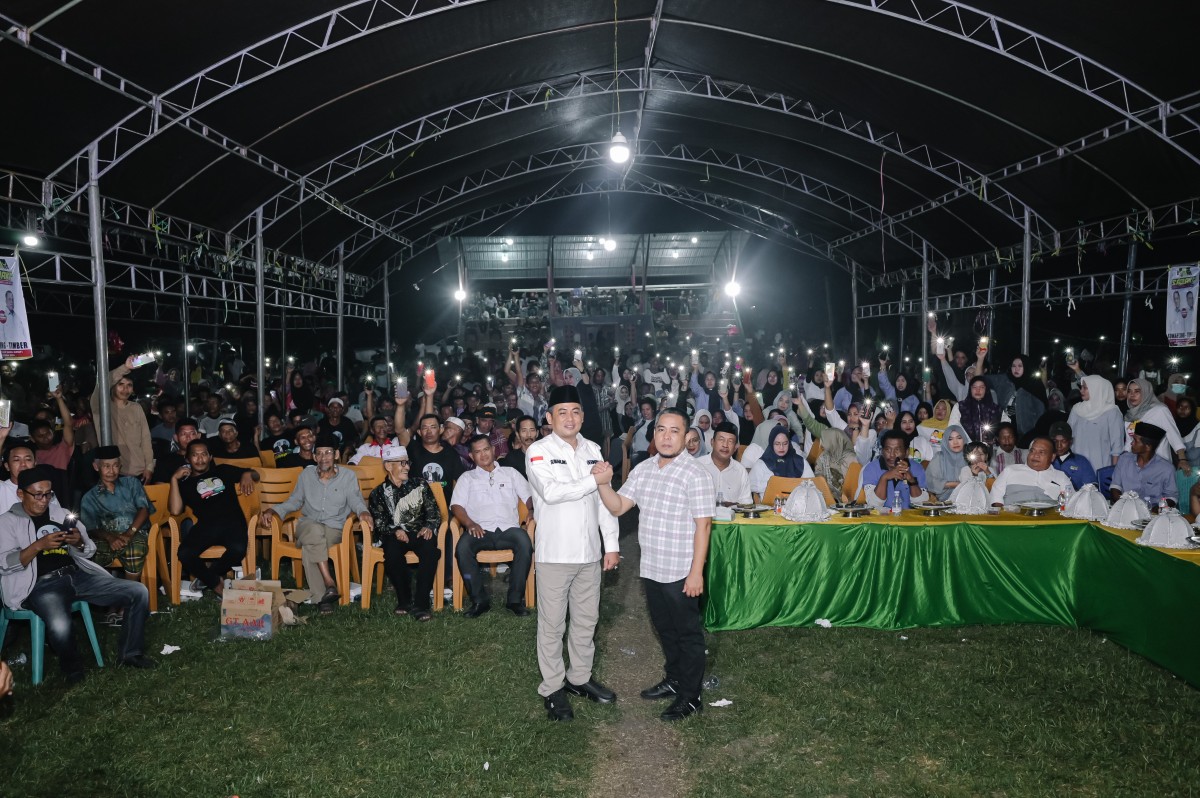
(558, 707)
(592, 690)
(682, 707)
(140, 661)
(664, 689)
(477, 609)
(518, 609)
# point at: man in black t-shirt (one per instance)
(168, 463)
(277, 440)
(526, 433)
(209, 492)
(228, 445)
(431, 458)
(305, 440)
(340, 427)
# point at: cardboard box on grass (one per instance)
(250, 609)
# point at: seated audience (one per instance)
(117, 513)
(778, 460)
(893, 474)
(729, 476)
(1006, 452)
(1141, 470)
(1073, 464)
(1034, 480)
(485, 505)
(941, 475)
(406, 518)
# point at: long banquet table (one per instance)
(896, 572)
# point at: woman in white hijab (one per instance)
(1097, 424)
(1144, 406)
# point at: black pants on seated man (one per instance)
(199, 538)
(398, 570)
(514, 539)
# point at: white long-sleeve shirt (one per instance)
(566, 502)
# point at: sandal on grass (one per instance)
(326, 607)
(423, 615)
(400, 612)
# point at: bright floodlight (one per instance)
(609, 245)
(674, 253)
(30, 240)
(732, 288)
(508, 241)
(591, 255)
(618, 151)
(460, 295)
(503, 258)
(695, 240)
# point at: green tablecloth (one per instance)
(947, 572)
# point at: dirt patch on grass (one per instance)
(639, 756)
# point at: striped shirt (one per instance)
(670, 500)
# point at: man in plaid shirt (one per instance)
(677, 499)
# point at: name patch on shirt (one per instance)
(558, 462)
(592, 462)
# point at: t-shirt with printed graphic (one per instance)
(212, 496)
(279, 445)
(49, 559)
(444, 466)
(344, 432)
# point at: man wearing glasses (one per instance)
(45, 566)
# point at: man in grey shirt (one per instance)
(324, 495)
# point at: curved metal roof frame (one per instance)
(1137, 108)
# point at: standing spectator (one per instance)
(1018, 392)
(1097, 423)
(130, 431)
(1145, 407)
(168, 414)
(210, 422)
(526, 432)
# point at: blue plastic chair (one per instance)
(37, 631)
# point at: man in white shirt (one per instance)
(566, 503)
(1035, 480)
(731, 479)
(485, 504)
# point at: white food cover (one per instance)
(1167, 530)
(1087, 504)
(1126, 510)
(971, 498)
(806, 504)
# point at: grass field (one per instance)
(367, 704)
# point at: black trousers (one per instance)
(199, 538)
(399, 571)
(515, 539)
(676, 619)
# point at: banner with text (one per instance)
(14, 324)
(1181, 305)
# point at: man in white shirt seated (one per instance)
(731, 479)
(1034, 480)
(485, 504)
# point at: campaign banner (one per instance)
(14, 323)
(1181, 305)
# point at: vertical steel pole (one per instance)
(1126, 312)
(903, 313)
(260, 321)
(99, 302)
(854, 310)
(991, 302)
(925, 351)
(387, 325)
(1026, 273)
(283, 356)
(341, 314)
(187, 360)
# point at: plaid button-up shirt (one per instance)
(670, 499)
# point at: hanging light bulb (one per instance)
(618, 151)
(609, 245)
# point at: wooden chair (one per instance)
(372, 560)
(814, 452)
(155, 556)
(783, 487)
(212, 552)
(283, 544)
(850, 483)
(491, 558)
(239, 462)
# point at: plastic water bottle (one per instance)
(896, 508)
(720, 499)
(1162, 505)
(778, 505)
(1062, 499)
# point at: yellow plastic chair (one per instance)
(274, 486)
(267, 458)
(851, 483)
(492, 558)
(783, 487)
(814, 452)
(253, 463)
(158, 495)
(370, 475)
(283, 544)
(211, 553)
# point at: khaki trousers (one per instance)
(563, 587)
(315, 540)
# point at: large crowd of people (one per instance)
(557, 428)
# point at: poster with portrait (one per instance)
(1181, 305)
(14, 324)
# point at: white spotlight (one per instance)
(732, 288)
(591, 255)
(504, 258)
(618, 151)
(508, 241)
(695, 240)
(460, 295)
(30, 240)
(609, 245)
(674, 253)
